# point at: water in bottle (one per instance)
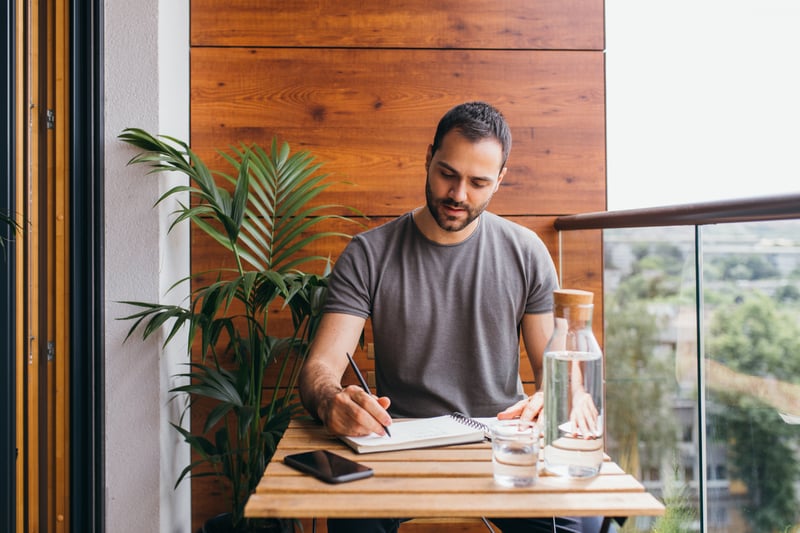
(573, 390)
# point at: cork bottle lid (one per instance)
(573, 298)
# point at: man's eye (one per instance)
(479, 184)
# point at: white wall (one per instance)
(146, 85)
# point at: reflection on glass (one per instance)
(649, 280)
(751, 342)
(752, 374)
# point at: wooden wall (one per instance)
(363, 84)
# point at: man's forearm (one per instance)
(318, 384)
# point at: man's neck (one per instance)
(433, 232)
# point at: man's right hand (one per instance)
(353, 411)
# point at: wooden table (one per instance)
(454, 481)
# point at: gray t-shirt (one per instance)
(445, 318)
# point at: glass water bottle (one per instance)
(573, 389)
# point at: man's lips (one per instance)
(453, 209)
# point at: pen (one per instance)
(363, 382)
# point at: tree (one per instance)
(743, 267)
(640, 375)
(639, 386)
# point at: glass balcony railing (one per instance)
(701, 333)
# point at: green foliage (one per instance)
(264, 226)
(655, 273)
(10, 222)
(638, 385)
(680, 513)
(640, 375)
(754, 336)
(788, 294)
(749, 267)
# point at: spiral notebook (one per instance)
(413, 433)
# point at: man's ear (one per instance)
(428, 158)
(500, 178)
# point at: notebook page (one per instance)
(416, 430)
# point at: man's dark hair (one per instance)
(475, 121)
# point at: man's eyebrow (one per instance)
(454, 171)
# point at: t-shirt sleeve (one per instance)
(348, 287)
(543, 281)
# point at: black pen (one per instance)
(363, 382)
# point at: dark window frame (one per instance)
(87, 391)
(8, 451)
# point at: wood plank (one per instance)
(21, 284)
(460, 454)
(416, 525)
(501, 503)
(413, 469)
(545, 24)
(581, 267)
(370, 115)
(34, 439)
(452, 454)
(62, 225)
(389, 482)
(408, 473)
(439, 525)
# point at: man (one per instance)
(448, 288)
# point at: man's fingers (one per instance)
(513, 411)
(527, 409)
(385, 402)
(353, 411)
(372, 414)
(584, 417)
(530, 411)
(534, 406)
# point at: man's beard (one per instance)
(446, 222)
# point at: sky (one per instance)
(702, 100)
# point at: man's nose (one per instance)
(458, 192)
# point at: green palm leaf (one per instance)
(264, 216)
(8, 221)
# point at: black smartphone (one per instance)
(328, 466)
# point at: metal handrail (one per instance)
(763, 208)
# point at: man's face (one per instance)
(462, 178)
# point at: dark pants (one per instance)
(506, 525)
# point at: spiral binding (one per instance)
(471, 422)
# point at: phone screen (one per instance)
(328, 466)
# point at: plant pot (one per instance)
(222, 524)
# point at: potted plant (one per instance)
(263, 227)
(6, 220)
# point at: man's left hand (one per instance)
(527, 409)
